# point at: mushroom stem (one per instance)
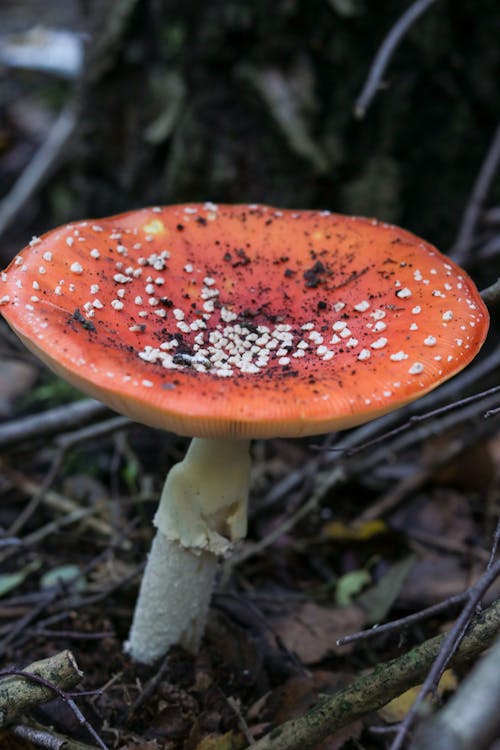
(202, 512)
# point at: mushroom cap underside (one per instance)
(244, 321)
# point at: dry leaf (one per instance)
(312, 631)
(344, 532)
(396, 710)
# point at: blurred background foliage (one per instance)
(252, 101)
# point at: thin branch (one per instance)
(45, 160)
(20, 690)
(403, 622)
(372, 691)
(384, 54)
(448, 648)
(56, 420)
(471, 717)
(476, 201)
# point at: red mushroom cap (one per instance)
(244, 321)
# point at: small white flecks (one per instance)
(121, 249)
(121, 278)
(120, 293)
(417, 275)
(327, 356)
(338, 306)
(433, 271)
(138, 300)
(36, 285)
(98, 304)
(414, 327)
(459, 342)
(42, 269)
(416, 368)
(362, 306)
(5, 299)
(47, 256)
(209, 206)
(58, 290)
(335, 339)
(364, 354)
(29, 307)
(378, 314)
(19, 260)
(94, 288)
(149, 289)
(430, 341)
(283, 361)
(351, 342)
(379, 326)
(227, 315)
(208, 281)
(307, 327)
(379, 343)
(161, 313)
(188, 268)
(321, 350)
(94, 253)
(76, 267)
(69, 241)
(387, 394)
(345, 333)
(3, 276)
(316, 337)
(34, 241)
(302, 345)
(34, 298)
(143, 314)
(152, 301)
(159, 280)
(403, 293)
(416, 310)
(448, 315)
(117, 304)
(178, 314)
(97, 228)
(398, 356)
(339, 325)
(437, 293)
(190, 210)
(147, 383)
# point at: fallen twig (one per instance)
(449, 647)
(374, 690)
(59, 419)
(471, 717)
(18, 694)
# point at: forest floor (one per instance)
(339, 540)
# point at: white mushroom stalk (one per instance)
(202, 513)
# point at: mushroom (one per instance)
(226, 323)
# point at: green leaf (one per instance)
(63, 574)
(349, 586)
(379, 598)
